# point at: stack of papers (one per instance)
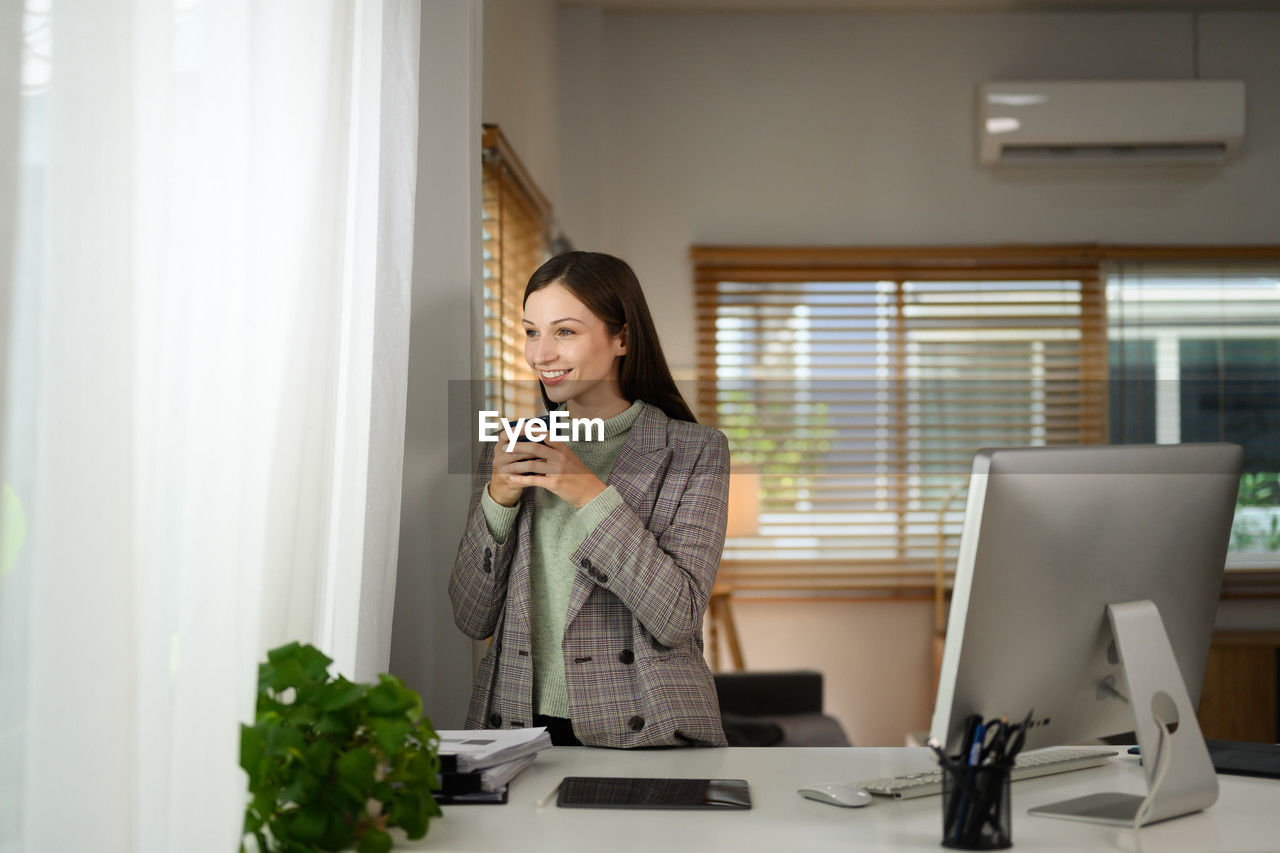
(477, 765)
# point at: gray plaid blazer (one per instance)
(632, 644)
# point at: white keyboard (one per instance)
(1026, 766)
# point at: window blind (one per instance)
(516, 227)
(859, 383)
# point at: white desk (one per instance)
(1246, 816)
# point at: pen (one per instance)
(971, 724)
(975, 748)
(550, 795)
(1015, 745)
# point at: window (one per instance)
(1195, 356)
(516, 225)
(859, 382)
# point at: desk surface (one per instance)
(1246, 816)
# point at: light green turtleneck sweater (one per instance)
(558, 531)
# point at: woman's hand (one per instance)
(507, 466)
(551, 466)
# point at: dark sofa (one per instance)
(776, 709)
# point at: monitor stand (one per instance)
(1156, 693)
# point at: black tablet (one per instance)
(612, 792)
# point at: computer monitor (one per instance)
(1060, 547)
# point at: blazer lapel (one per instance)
(644, 454)
(640, 458)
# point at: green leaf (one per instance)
(309, 657)
(307, 824)
(389, 698)
(301, 716)
(355, 768)
(337, 833)
(253, 742)
(415, 706)
(391, 734)
(285, 674)
(284, 740)
(374, 841)
(319, 757)
(264, 803)
(336, 725)
(339, 694)
(293, 665)
(302, 788)
(409, 813)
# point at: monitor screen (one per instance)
(1051, 536)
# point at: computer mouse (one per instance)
(848, 796)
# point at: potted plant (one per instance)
(333, 764)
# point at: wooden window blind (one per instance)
(859, 383)
(516, 225)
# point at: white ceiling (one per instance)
(927, 5)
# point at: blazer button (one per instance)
(488, 552)
(602, 577)
(586, 564)
(626, 656)
(636, 723)
(495, 720)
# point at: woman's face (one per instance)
(571, 350)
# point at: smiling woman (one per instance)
(590, 563)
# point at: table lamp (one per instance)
(744, 520)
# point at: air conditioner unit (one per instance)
(1110, 121)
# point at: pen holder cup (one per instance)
(975, 807)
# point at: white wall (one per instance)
(520, 89)
(857, 129)
(427, 650)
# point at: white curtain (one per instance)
(205, 320)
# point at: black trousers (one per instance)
(560, 729)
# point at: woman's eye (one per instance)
(564, 333)
(530, 333)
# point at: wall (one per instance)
(427, 650)
(853, 129)
(520, 91)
